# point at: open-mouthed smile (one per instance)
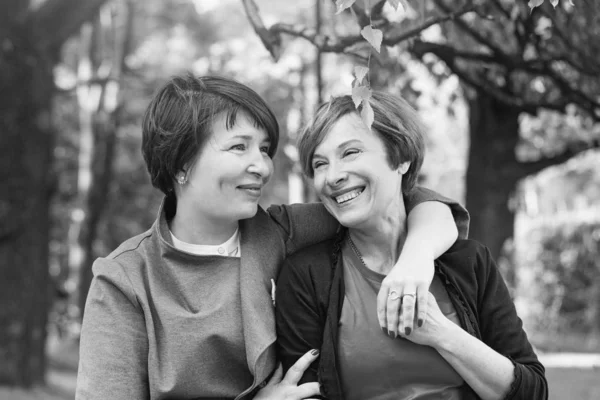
(348, 196)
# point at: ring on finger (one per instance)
(393, 295)
(413, 295)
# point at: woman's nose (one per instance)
(260, 165)
(335, 176)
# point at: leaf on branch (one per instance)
(367, 114)
(554, 3)
(373, 36)
(360, 94)
(343, 4)
(396, 3)
(535, 3)
(360, 73)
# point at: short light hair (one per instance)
(396, 123)
(180, 117)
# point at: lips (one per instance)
(251, 186)
(252, 189)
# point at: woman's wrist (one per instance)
(449, 338)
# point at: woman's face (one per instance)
(227, 178)
(352, 175)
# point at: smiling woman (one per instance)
(184, 310)
(471, 344)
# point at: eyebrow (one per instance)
(341, 145)
(248, 137)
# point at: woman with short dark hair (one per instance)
(184, 310)
(471, 344)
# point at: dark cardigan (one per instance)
(310, 294)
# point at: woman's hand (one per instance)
(412, 276)
(288, 388)
(436, 329)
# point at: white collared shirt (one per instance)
(230, 248)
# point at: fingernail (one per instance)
(315, 352)
(420, 322)
(407, 331)
(384, 330)
(392, 334)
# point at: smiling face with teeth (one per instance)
(353, 176)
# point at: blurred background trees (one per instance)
(505, 91)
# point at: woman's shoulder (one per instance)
(128, 260)
(466, 256)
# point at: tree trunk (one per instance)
(492, 173)
(103, 121)
(26, 143)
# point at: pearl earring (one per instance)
(181, 179)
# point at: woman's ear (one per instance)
(403, 167)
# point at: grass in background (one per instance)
(573, 383)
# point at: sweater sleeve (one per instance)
(305, 224)
(502, 329)
(299, 324)
(114, 345)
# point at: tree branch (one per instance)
(473, 33)
(394, 38)
(572, 150)
(449, 56)
(57, 20)
(271, 39)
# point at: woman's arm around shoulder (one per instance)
(302, 225)
(114, 344)
(434, 222)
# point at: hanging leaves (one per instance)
(343, 4)
(373, 36)
(396, 3)
(360, 94)
(535, 3)
(367, 114)
(360, 73)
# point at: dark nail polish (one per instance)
(315, 352)
(420, 322)
(407, 331)
(384, 330)
(392, 334)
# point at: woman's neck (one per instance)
(194, 228)
(381, 242)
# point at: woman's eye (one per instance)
(318, 164)
(240, 147)
(265, 149)
(351, 152)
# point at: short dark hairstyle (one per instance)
(180, 116)
(395, 122)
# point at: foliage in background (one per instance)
(564, 297)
